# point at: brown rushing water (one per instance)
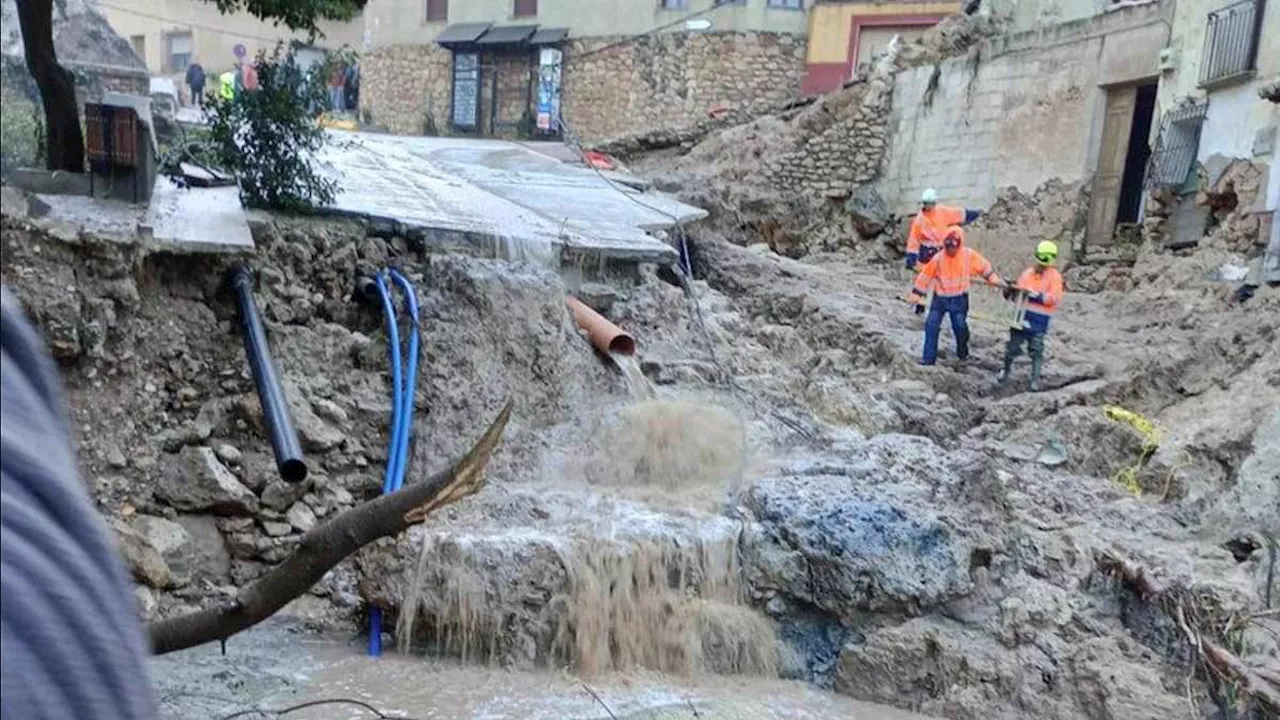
(272, 668)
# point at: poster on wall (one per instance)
(466, 90)
(549, 68)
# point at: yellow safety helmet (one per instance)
(1046, 252)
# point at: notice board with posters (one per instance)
(549, 70)
(466, 90)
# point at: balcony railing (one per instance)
(1231, 42)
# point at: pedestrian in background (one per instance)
(337, 81)
(195, 81)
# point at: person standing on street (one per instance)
(195, 81)
(1043, 285)
(949, 274)
(337, 80)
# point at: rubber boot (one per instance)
(1035, 348)
(1010, 352)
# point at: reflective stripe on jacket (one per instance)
(1048, 287)
(951, 275)
(930, 227)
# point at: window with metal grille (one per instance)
(437, 10)
(788, 4)
(1176, 146)
(525, 8)
(178, 51)
(1231, 43)
(675, 4)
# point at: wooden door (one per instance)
(1105, 202)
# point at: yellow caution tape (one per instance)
(1128, 476)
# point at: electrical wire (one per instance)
(653, 31)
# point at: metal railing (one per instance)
(1230, 42)
(1176, 145)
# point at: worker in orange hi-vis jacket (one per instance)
(949, 273)
(1043, 285)
(930, 225)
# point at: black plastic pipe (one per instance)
(284, 439)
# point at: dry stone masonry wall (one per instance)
(675, 80)
(651, 83)
(405, 88)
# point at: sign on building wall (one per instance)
(549, 69)
(466, 90)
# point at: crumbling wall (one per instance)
(676, 79)
(405, 88)
(1016, 110)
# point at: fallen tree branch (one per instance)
(329, 544)
(1216, 657)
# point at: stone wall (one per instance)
(654, 82)
(401, 87)
(1017, 110)
(674, 80)
(835, 161)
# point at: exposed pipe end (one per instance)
(623, 345)
(367, 288)
(293, 470)
(240, 275)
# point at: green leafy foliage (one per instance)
(269, 138)
(294, 14)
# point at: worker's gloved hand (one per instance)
(1035, 297)
(919, 308)
(1010, 293)
(912, 258)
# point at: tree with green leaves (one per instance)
(64, 139)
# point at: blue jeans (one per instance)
(336, 101)
(958, 308)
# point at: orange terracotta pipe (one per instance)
(607, 337)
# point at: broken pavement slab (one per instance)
(500, 196)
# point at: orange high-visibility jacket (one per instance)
(930, 227)
(950, 276)
(1048, 284)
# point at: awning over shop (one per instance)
(549, 36)
(472, 37)
(462, 34)
(507, 35)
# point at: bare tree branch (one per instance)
(327, 545)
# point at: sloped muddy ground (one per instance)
(916, 537)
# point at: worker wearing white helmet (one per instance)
(930, 227)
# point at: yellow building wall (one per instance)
(830, 24)
(213, 35)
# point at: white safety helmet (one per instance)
(929, 197)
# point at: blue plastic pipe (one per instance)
(410, 387)
(388, 479)
(404, 386)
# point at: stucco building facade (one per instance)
(170, 34)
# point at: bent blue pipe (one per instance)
(410, 376)
(388, 480)
(393, 345)
(404, 387)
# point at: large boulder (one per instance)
(195, 480)
(867, 528)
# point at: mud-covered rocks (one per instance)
(172, 542)
(145, 563)
(824, 541)
(195, 480)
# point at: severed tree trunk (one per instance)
(327, 545)
(64, 142)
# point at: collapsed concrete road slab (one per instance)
(501, 197)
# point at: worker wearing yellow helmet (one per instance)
(1042, 284)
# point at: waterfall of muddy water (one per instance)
(637, 384)
(628, 591)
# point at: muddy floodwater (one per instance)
(273, 668)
